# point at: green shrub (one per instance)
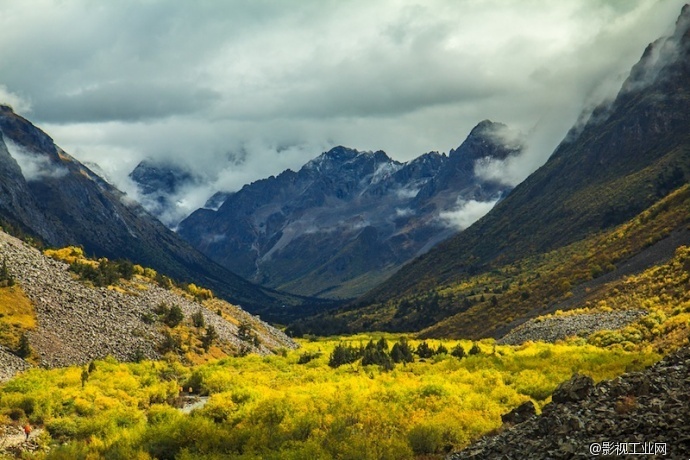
(174, 316)
(424, 439)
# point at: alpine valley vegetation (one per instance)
(559, 320)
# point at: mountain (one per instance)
(348, 219)
(160, 185)
(630, 155)
(71, 322)
(49, 195)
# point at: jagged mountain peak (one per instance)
(344, 157)
(489, 139)
(345, 220)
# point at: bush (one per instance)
(23, 348)
(62, 429)
(174, 316)
(424, 439)
(5, 278)
(458, 352)
(306, 357)
(16, 414)
(424, 350)
(209, 337)
(198, 318)
(344, 354)
(402, 352)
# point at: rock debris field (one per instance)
(78, 323)
(560, 327)
(627, 417)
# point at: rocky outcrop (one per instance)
(520, 414)
(624, 417)
(560, 327)
(78, 323)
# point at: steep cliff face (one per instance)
(50, 195)
(347, 219)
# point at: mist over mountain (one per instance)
(348, 219)
(50, 196)
(161, 189)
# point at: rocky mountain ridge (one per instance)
(347, 219)
(78, 323)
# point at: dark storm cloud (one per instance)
(277, 82)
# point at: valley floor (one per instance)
(295, 405)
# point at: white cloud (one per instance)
(18, 103)
(467, 213)
(34, 166)
(407, 193)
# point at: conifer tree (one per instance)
(209, 337)
(23, 348)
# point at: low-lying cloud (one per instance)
(467, 213)
(35, 167)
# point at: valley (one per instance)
(355, 307)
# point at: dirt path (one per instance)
(12, 437)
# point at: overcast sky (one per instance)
(239, 90)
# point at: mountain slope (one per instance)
(48, 194)
(625, 158)
(630, 155)
(76, 323)
(347, 220)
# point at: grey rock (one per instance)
(575, 389)
(520, 413)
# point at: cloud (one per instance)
(241, 90)
(18, 104)
(34, 166)
(467, 213)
